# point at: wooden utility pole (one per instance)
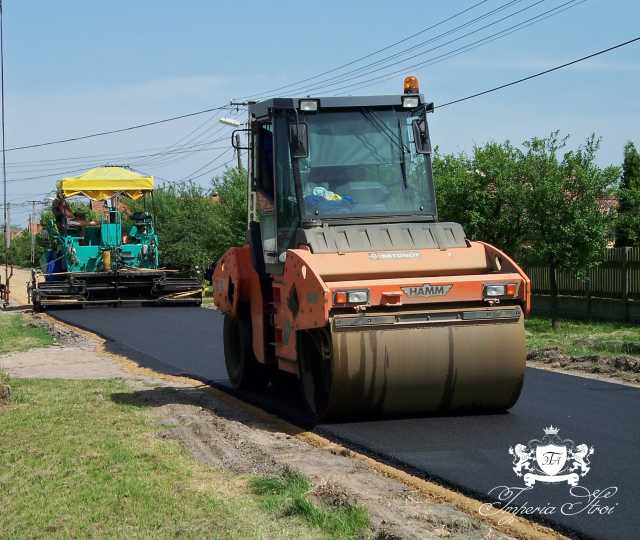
(7, 229)
(32, 231)
(7, 218)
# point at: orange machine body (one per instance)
(304, 296)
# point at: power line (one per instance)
(337, 79)
(369, 55)
(556, 68)
(82, 167)
(204, 111)
(157, 150)
(120, 130)
(190, 137)
(191, 176)
(483, 41)
(163, 161)
(467, 47)
(213, 169)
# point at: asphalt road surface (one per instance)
(466, 452)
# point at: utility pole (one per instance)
(32, 226)
(7, 229)
(7, 223)
(238, 153)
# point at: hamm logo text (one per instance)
(427, 290)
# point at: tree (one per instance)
(566, 227)
(230, 227)
(628, 222)
(484, 193)
(20, 250)
(196, 225)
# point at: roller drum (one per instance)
(423, 368)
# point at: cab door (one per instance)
(262, 212)
(287, 196)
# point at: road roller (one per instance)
(349, 281)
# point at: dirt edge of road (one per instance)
(169, 394)
(621, 369)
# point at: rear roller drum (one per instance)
(315, 374)
(244, 371)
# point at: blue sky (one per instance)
(73, 67)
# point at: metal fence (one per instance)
(617, 277)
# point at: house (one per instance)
(13, 231)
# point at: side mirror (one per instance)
(298, 135)
(421, 136)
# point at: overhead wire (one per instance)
(193, 175)
(371, 54)
(539, 74)
(119, 130)
(84, 166)
(178, 148)
(124, 158)
(28, 163)
(464, 48)
(350, 74)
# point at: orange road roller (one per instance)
(348, 280)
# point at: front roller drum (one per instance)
(407, 369)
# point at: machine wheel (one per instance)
(244, 371)
(315, 374)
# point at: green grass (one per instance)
(581, 338)
(74, 463)
(18, 334)
(288, 494)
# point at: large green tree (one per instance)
(566, 228)
(484, 192)
(628, 222)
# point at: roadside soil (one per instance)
(230, 435)
(621, 368)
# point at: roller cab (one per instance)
(349, 281)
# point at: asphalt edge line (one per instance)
(501, 521)
(582, 374)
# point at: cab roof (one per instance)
(262, 108)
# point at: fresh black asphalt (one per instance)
(466, 452)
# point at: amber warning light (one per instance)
(411, 85)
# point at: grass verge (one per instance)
(289, 494)
(580, 338)
(17, 333)
(77, 464)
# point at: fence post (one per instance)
(587, 285)
(626, 284)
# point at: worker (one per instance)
(61, 213)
